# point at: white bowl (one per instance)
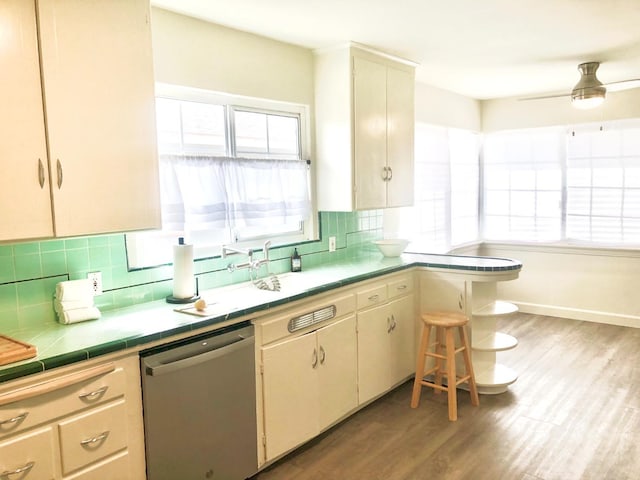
(392, 247)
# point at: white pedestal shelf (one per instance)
(496, 309)
(494, 342)
(495, 379)
(491, 377)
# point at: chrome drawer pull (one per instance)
(374, 298)
(401, 287)
(15, 420)
(92, 395)
(323, 355)
(98, 438)
(18, 471)
(59, 171)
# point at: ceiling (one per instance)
(478, 48)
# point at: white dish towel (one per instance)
(74, 302)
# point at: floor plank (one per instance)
(574, 413)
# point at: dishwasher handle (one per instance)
(237, 343)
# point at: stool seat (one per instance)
(444, 352)
(445, 319)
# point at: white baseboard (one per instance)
(579, 314)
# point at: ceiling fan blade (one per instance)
(545, 96)
(623, 85)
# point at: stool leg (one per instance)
(420, 362)
(451, 375)
(473, 389)
(440, 351)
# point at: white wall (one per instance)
(204, 55)
(441, 107)
(584, 284)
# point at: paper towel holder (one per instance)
(176, 300)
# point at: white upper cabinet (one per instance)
(364, 130)
(94, 82)
(25, 205)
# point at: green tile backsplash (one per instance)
(29, 271)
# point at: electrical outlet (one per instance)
(332, 244)
(96, 282)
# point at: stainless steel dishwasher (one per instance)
(199, 399)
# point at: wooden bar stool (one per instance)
(444, 352)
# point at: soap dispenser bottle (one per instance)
(296, 261)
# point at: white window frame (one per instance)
(138, 253)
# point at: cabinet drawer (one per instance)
(114, 467)
(31, 454)
(400, 286)
(372, 296)
(278, 327)
(23, 414)
(93, 435)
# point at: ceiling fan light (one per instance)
(589, 91)
(586, 99)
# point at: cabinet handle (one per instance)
(393, 322)
(92, 395)
(55, 384)
(390, 174)
(323, 355)
(15, 420)
(385, 174)
(460, 301)
(59, 172)
(18, 471)
(98, 438)
(374, 298)
(401, 287)
(314, 359)
(388, 325)
(40, 173)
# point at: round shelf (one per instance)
(495, 342)
(496, 309)
(495, 380)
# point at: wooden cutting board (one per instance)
(12, 350)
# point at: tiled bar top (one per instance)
(142, 325)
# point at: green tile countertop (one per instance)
(141, 325)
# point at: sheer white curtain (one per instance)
(205, 192)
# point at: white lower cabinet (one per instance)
(386, 347)
(309, 382)
(79, 423)
(321, 359)
(29, 455)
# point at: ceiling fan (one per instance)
(590, 92)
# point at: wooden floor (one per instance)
(574, 413)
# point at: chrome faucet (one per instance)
(251, 264)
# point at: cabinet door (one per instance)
(400, 133)
(440, 293)
(338, 370)
(374, 350)
(97, 73)
(370, 132)
(25, 205)
(290, 390)
(28, 456)
(402, 338)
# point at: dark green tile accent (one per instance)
(65, 359)
(105, 348)
(18, 371)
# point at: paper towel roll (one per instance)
(183, 279)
